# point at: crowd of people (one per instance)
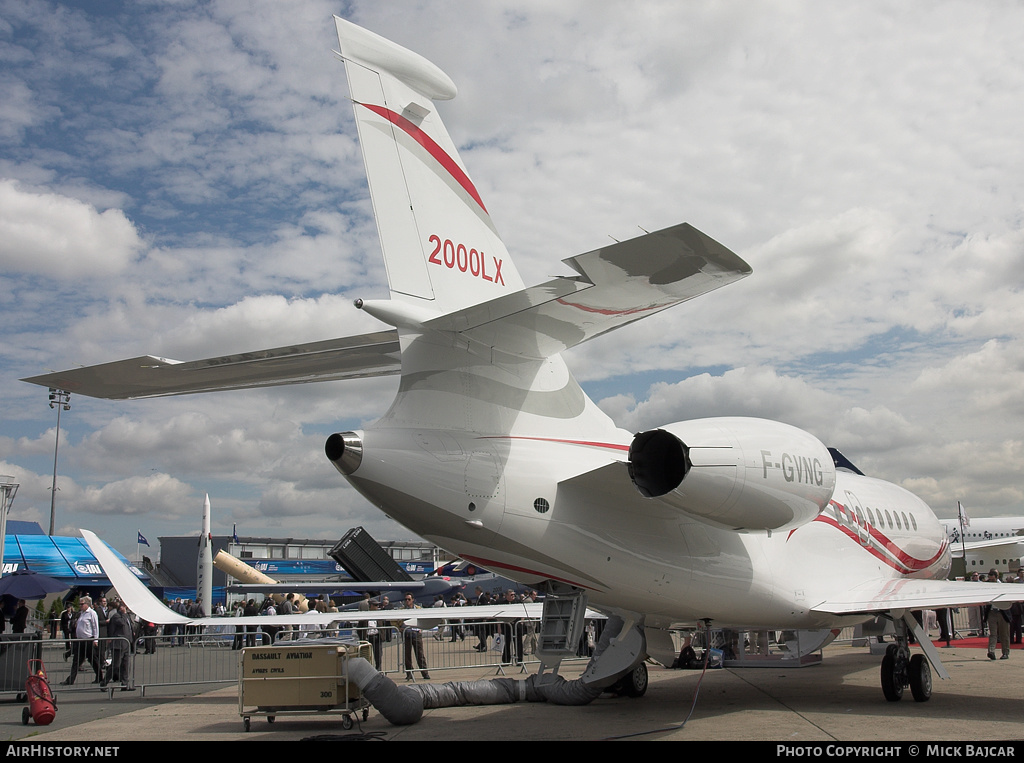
(19, 621)
(518, 636)
(101, 636)
(1003, 626)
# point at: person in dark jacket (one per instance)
(121, 637)
(20, 620)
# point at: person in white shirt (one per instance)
(86, 647)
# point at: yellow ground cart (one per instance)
(300, 678)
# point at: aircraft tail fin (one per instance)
(441, 249)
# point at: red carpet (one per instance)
(973, 642)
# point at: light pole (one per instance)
(59, 399)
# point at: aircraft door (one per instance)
(484, 479)
(859, 519)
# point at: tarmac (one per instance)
(839, 700)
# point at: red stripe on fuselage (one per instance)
(432, 148)
(491, 564)
(589, 443)
(907, 563)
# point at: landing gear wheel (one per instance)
(633, 684)
(892, 674)
(920, 678)
(636, 681)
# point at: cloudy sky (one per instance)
(183, 179)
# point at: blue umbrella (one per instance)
(24, 584)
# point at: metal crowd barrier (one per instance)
(450, 646)
(196, 658)
(16, 649)
(161, 660)
(210, 656)
(58, 657)
(463, 643)
(439, 651)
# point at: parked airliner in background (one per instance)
(987, 543)
(494, 452)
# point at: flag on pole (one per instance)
(142, 539)
(965, 520)
(234, 535)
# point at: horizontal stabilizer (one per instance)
(353, 357)
(616, 285)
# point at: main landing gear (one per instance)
(900, 669)
(618, 663)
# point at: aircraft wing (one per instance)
(616, 285)
(353, 357)
(337, 585)
(1013, 546)
(143, 603)
(911, 593)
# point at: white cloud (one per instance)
(864, 158)
(969, 378)
(157, 495)
(757, 392)
(62, 238)
(18, 110)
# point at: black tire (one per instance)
(892, 685)
(634, 683)
(920, 678)
(25, 715)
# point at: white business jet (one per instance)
(494, 452)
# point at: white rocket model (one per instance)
(204, 565)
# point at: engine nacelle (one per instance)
(738, 473)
